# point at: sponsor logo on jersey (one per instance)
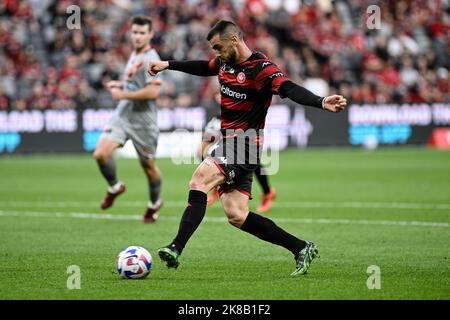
(228, 69)
(276, 75)
(232, 94)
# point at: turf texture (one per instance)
(388, 208)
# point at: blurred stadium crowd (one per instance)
(323, 44)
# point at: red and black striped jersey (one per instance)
(246, 90)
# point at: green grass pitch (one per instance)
(389, 208)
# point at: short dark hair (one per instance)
(224, 28)
(142, 21)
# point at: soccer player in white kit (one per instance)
(134, 118)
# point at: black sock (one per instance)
(108, 171)
(262, 179)
(192, 216)
(267, 230)
(154, 188)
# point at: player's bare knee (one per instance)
(100, 156)
(237, 219)
(149, 166)
(197, 183)
(235, 214)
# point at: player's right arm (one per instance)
(196, 67)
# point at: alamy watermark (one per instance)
(373, 20)
(74, 20)
(74, 278)
(374, 279)
(235, 147)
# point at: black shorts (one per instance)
(237, 159)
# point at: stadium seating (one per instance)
(43, 64)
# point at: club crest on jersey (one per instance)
(135, 68)
(241, 77)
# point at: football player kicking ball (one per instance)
(247, 82)
(135, 119)
(211, 136)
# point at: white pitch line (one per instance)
(178, 204)
(90, 215)
(371, 205)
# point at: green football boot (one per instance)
(305, 257)
(169, 254)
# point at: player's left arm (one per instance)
(301, 95)
(149, 92)
(269, 77)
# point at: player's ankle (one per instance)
(154, 205)
(115, 188)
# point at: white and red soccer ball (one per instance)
(134, 262)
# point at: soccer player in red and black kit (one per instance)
(247, 82)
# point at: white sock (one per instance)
(152, 206)
(115, 188)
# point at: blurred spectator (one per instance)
(323, 44)
(5, 101)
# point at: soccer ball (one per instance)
(134, 262)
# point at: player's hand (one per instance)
(156, 66)
(156, 82)
(335, 103)
(114, 84)
(117, 94)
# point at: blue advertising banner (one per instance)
(287, 126)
